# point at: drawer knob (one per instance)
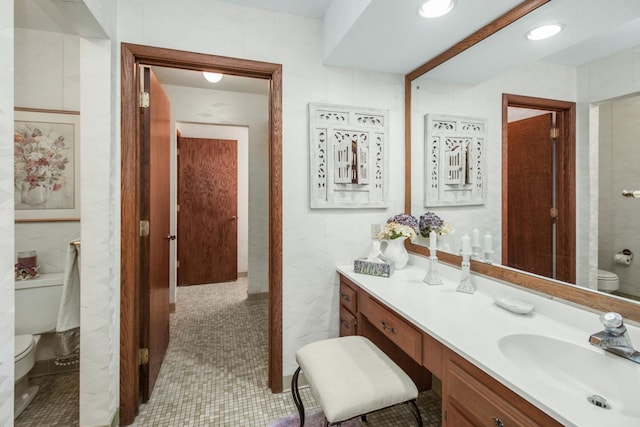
(497, 421)
(345, 297)
(388, 328)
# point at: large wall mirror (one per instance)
(585, 83)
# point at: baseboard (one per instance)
(286, 382)
(115, 420)
(257, 296)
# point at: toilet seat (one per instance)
(607, 276)
(23, 346)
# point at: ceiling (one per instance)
(389, 36)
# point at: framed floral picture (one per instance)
(46, 165)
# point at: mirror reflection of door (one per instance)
(531, 223)
(538, 187)
(208, 210)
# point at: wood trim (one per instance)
(275, 231)
(129, 239)
(131, 56)
(471, 40)
(571, 293)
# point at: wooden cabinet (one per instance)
(473, 398)
(470, 396)
(396, 329)
(348, 308)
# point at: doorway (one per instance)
(538, 186)
(133, 189)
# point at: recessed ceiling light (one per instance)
(212, 77)
(544, 32)
(435, 8)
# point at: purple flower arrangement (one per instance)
(429, 222)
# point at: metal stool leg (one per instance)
(416, 412)
(296, 396)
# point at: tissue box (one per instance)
(382, 269)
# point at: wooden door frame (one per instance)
(132, 56)
(566, 175)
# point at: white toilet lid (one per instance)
(23, 343)
(606, 275)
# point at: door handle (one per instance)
(233, 218)
(171, 237)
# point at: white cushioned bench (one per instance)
(351, 377)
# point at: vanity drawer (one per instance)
(348, 297)
(479, 400)
(347, 323)
(399, 331)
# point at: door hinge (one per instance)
(177, 208)
(554, 212)
(144, 99)
(554, 133)
(143, 356)
(144, 228)
(177, 264)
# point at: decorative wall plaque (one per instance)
(348, 157)
(454, 160)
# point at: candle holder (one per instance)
(488, 255)
(476, 251)
(465, 278)
(432, 277)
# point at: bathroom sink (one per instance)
(582, 371)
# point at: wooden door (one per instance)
(155, 289)
(530, 196)
(207, 218)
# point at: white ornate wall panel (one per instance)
(348, 156)
(454, 160)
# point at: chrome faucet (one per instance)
(615, 338)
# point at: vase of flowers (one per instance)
(40, 162)
(397, 229)
(429, 222)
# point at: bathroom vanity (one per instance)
(485, 356)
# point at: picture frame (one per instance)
(46, 165)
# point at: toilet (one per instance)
(36, 312)
(608, 281)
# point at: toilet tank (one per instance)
(37, 302)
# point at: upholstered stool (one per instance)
(351, 377)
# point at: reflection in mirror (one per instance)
(589, 64)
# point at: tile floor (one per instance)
(215, 371)
(56, 403)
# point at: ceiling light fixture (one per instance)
(212, 77)
(544, 32)
(435, 8)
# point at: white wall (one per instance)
(602, 80)
(483, 100)
(314, 242)
(619, 223)
(252, 111)
(55, 87)
(6, 215)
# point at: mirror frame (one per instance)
(555, 289)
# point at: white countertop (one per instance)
(472, 325)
